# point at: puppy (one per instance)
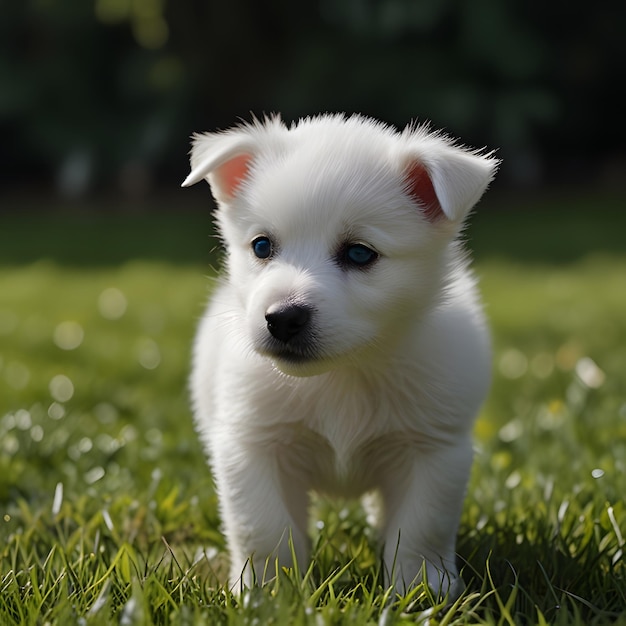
(345, 350)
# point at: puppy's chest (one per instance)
(345, 441)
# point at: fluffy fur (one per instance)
(345, 350)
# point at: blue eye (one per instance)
(359, 254)
(262, 247)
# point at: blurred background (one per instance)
(103, 257)
(98, 99)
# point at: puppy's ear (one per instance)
(445, 180)
(224, 160)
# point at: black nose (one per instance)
(285, 321)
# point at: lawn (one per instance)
(108, 513)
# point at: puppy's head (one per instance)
(338, 231)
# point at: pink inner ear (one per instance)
(230, 175)
(420, 188)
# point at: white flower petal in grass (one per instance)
(589, 373)
(61, 388)
(94, 475)
(107, 520)
(511, 431)
(58, 499)
(112, 303)
(597, 473)
(616, 529)
(514, 479)
(68, 335)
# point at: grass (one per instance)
(108, 514)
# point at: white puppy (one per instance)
(345, 350)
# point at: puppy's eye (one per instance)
(359, 255)
(262, 247)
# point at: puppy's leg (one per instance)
(423, 509)
(261, 512)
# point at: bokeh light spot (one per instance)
(151, 31)
(513, 364)
(56, 411)
(23, 419)
(148, 353)
(112, 303)
(106, 413)
(61, 388)
(112, 11)
(85, 445)
(36, 433)
(68, 335)
(542, 365)
(10, 444)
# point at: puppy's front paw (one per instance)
(445, 584)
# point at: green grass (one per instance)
(108, 514)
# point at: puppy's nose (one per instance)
(285, 321)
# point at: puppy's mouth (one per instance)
(293, 352)
(300, 361)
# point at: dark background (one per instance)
(98, 98)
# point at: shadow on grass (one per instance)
(541, 575)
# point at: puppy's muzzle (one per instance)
(285, 321)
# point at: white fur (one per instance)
(397, 358)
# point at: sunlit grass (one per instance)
(108, 514)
